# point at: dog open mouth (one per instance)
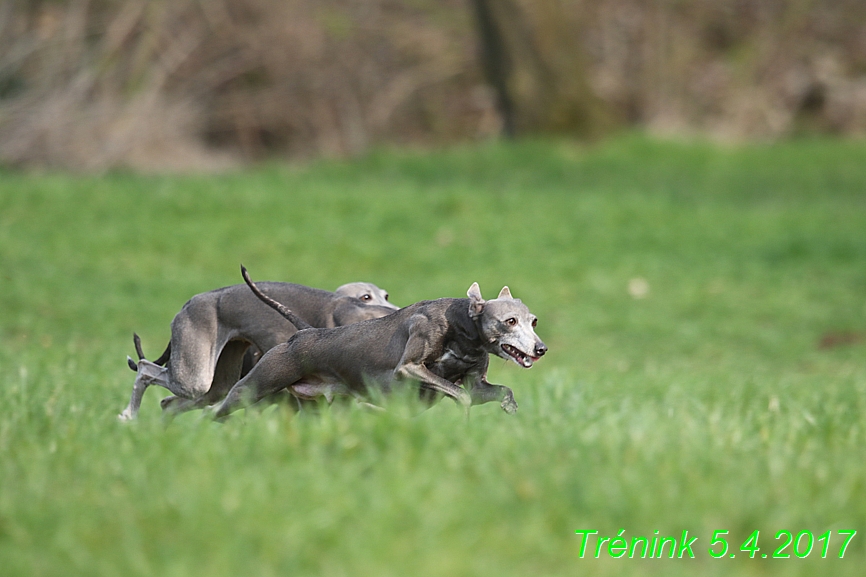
(522, 358)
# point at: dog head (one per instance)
(367, 293)
(507, 327)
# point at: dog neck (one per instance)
(465, 330)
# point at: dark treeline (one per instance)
(176, 84)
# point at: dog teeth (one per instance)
(519, 357)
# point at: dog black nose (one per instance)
(540, 349)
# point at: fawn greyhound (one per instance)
(443, 345)
(214, 331)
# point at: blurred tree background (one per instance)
(204, 84)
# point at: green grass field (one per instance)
(708, 404)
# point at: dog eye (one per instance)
(386, 296)
(365, 297)
(511, 322)
(534, 322)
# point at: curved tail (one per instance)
(299, 323)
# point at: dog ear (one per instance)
(476, 303)
(505, 294)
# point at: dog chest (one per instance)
(454, 363)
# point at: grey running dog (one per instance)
(215, 332)
(442, 344)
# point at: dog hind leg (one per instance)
(226, 374)
(279, 368)
(148, 374)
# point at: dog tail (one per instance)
(299, 323)
(163, 358)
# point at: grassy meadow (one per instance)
(705, 309)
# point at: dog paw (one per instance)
(167, 402)
(213, 413)
(126, 415)
(509, 405)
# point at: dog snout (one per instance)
(540, 349)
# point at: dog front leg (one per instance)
(434, 382)
(484, 392)
(417, 349)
